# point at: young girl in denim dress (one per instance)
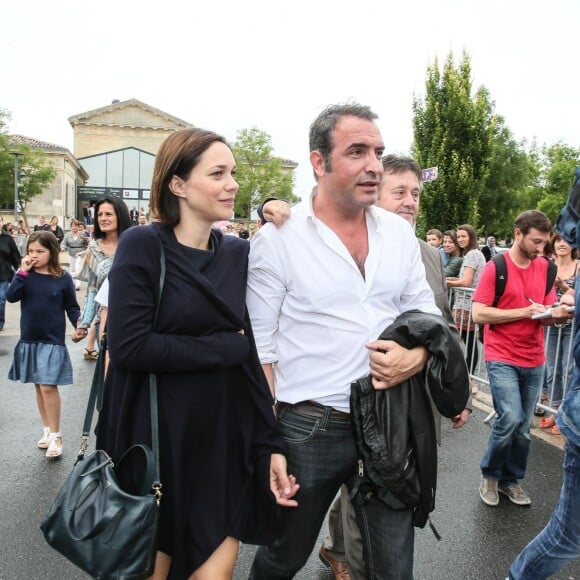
(46, 293)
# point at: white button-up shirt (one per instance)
(311, 309)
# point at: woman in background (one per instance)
(74, 243)
(111, 219)
(469, 275)
(490, 249)
(56, 229)
(453, 251)
(559, 360)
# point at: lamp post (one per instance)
(16, 176)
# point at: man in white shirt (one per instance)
(320, 291)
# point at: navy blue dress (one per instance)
(41, 356)
(217, 427)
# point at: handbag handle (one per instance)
(97, 388)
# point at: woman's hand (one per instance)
(282, 485)
(561, 285)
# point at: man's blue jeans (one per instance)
(515, 391)
(322, 455)
(559, 541)
(3, 287)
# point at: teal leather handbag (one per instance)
(96, 524)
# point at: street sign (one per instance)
(430, 174)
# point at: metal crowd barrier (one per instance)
(558, 344)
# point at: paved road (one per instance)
(478, 542)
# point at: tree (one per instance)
(511, 176)
(35, 171)
(259, 174)
(6, 160)
(454, 131)
(557, 165)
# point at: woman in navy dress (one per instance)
(222, 465)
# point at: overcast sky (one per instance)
(232, 64)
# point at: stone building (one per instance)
(59, 198)
(116, 145)
(114, 153)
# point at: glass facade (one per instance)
(126, 173)
(125, 169)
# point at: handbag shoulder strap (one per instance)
(97, 387)
(153, 391)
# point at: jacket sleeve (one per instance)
(267, 438)
(447, 374)
(133, 344)
(14, 255)
(71, 305)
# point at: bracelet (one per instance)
(22, 273)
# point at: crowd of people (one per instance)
(233, 333)
(463, 265)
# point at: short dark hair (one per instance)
(435, 232)
(400, 164)
(178, 155)
(320, 137)
(533, 218)
(121, 211)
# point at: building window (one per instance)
(124, 169)
(114, 169)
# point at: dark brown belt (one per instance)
(313, 409)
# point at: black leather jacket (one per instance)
(9, 257)
(394, 428)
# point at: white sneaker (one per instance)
(44, 441)
(55, 445)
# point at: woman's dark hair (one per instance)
(48, 240)
(472, 237)
(453, 235)
(178, 155)
(121, 211)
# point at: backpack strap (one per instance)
(500, 279)
(551, 276)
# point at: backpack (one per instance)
(501, 282)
